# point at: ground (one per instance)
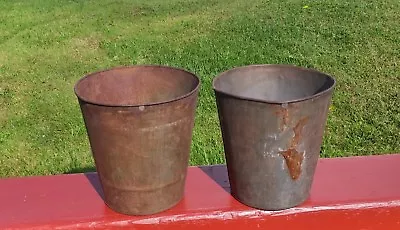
(47, 45)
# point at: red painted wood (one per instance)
(350, 193)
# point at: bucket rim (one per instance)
(195, 89)
(287, 66)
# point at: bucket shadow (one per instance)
(219, 174)
(93, 178)
(91, 175)
(81, 170)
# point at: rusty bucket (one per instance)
(272, 120)
(139, 120)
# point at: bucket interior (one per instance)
(137, 85)
(273, 83)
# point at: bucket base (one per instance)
(144, 202)
(154, 211)
(270, 207)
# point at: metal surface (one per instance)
(272, 121)
(139, 121)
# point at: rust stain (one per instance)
(292, 157)
(285, 117)
(297, 132)
(293, 161)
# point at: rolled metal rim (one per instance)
(273, 66)
(137, 105)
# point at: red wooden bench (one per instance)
(347, 193)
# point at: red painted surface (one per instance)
(348, 193)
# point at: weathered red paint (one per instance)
(348, 193)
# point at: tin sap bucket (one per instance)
(139, 120)
(272, 120)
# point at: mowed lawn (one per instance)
(47, 45)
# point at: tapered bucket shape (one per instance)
(272, 119)
(139, 121)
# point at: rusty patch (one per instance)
(293, 161)
(292, 157)
(297, 132)
(285, 117)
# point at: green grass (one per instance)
(47, 45)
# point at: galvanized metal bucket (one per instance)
(139, 120)
(272, 120)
